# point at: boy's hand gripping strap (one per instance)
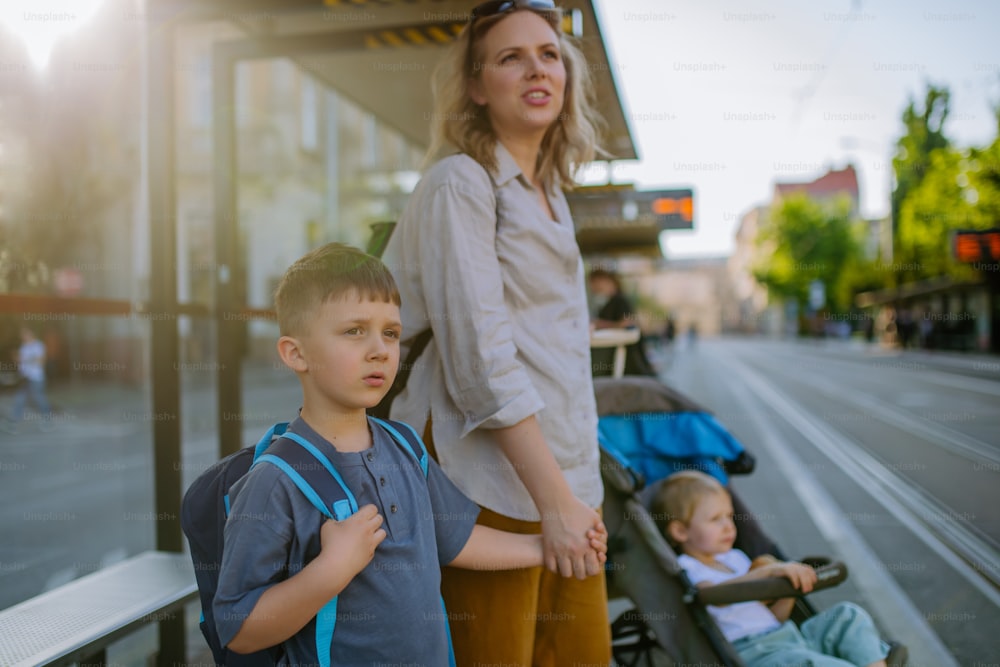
(342, 506)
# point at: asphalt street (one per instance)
(889, 462)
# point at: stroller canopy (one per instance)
(658, 431)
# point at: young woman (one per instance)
(485, 255)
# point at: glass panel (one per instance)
(198, 371)
(271, 391)
(76, 486)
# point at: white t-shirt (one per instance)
(32, 360)
(735, 620)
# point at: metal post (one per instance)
(165, 376)
(229, 264)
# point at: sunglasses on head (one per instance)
(494, 7)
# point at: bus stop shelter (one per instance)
(340, 44)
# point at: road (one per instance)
(889, 463)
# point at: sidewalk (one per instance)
(980, 364)
(89, 403)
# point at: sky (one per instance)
(730, 96)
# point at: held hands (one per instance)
(598, 537)
(351, 543)
(574, 540)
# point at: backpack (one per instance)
(206, 506)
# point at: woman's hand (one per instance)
(566, 540)
(566, 519)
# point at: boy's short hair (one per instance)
(679, 495)
(327, 273)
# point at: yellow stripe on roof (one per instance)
(391, 38)
(438, 35)
(414, 36)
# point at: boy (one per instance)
(695, 513)
(338, 313)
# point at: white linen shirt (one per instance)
(502, 287)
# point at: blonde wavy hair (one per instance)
(459, 123)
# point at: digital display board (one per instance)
(619, 207)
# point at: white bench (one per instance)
(77, 621)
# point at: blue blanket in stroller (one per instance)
(658, 444)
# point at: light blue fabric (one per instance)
(325, 462)
(35, 391)
(421, 456)
(840, 636)
(658, 444)
(309, 492)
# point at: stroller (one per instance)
(648, 431)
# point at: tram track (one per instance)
(971, 553)
(922, 425)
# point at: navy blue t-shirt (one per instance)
(391, 611)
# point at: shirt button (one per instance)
(393, 509)
(371, 457)
(381, 480)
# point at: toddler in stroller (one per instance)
(695, 513)
(649, 431)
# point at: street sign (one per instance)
(620, 207)
(616, 218)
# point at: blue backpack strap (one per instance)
(297, 458)
(275, 431)
(405, 435)
(318, 476)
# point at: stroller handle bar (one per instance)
(771, 588)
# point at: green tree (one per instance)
(924, 134)
(961, 190)
(809, 240)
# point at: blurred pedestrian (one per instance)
(615, 311)
(31, 368)
(670, 331)
(692, 335)
(905, 327)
